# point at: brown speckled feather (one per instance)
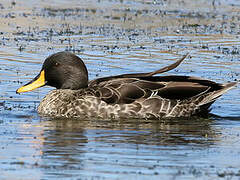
(136, 98)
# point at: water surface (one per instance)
(115, 37)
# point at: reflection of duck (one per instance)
(166, 132)
(140, 95)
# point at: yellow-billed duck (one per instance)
(140, 95)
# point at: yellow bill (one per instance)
(37, 82)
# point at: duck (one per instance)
(137, 95)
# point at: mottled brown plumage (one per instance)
(140, 95)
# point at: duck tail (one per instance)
(211, 97)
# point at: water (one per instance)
(115, 37)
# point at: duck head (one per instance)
(63, 70)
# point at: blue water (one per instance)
(114, 38)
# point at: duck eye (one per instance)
(56, 64)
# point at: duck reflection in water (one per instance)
(71, 140)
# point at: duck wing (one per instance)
(128, 90)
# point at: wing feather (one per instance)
(128, 90)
